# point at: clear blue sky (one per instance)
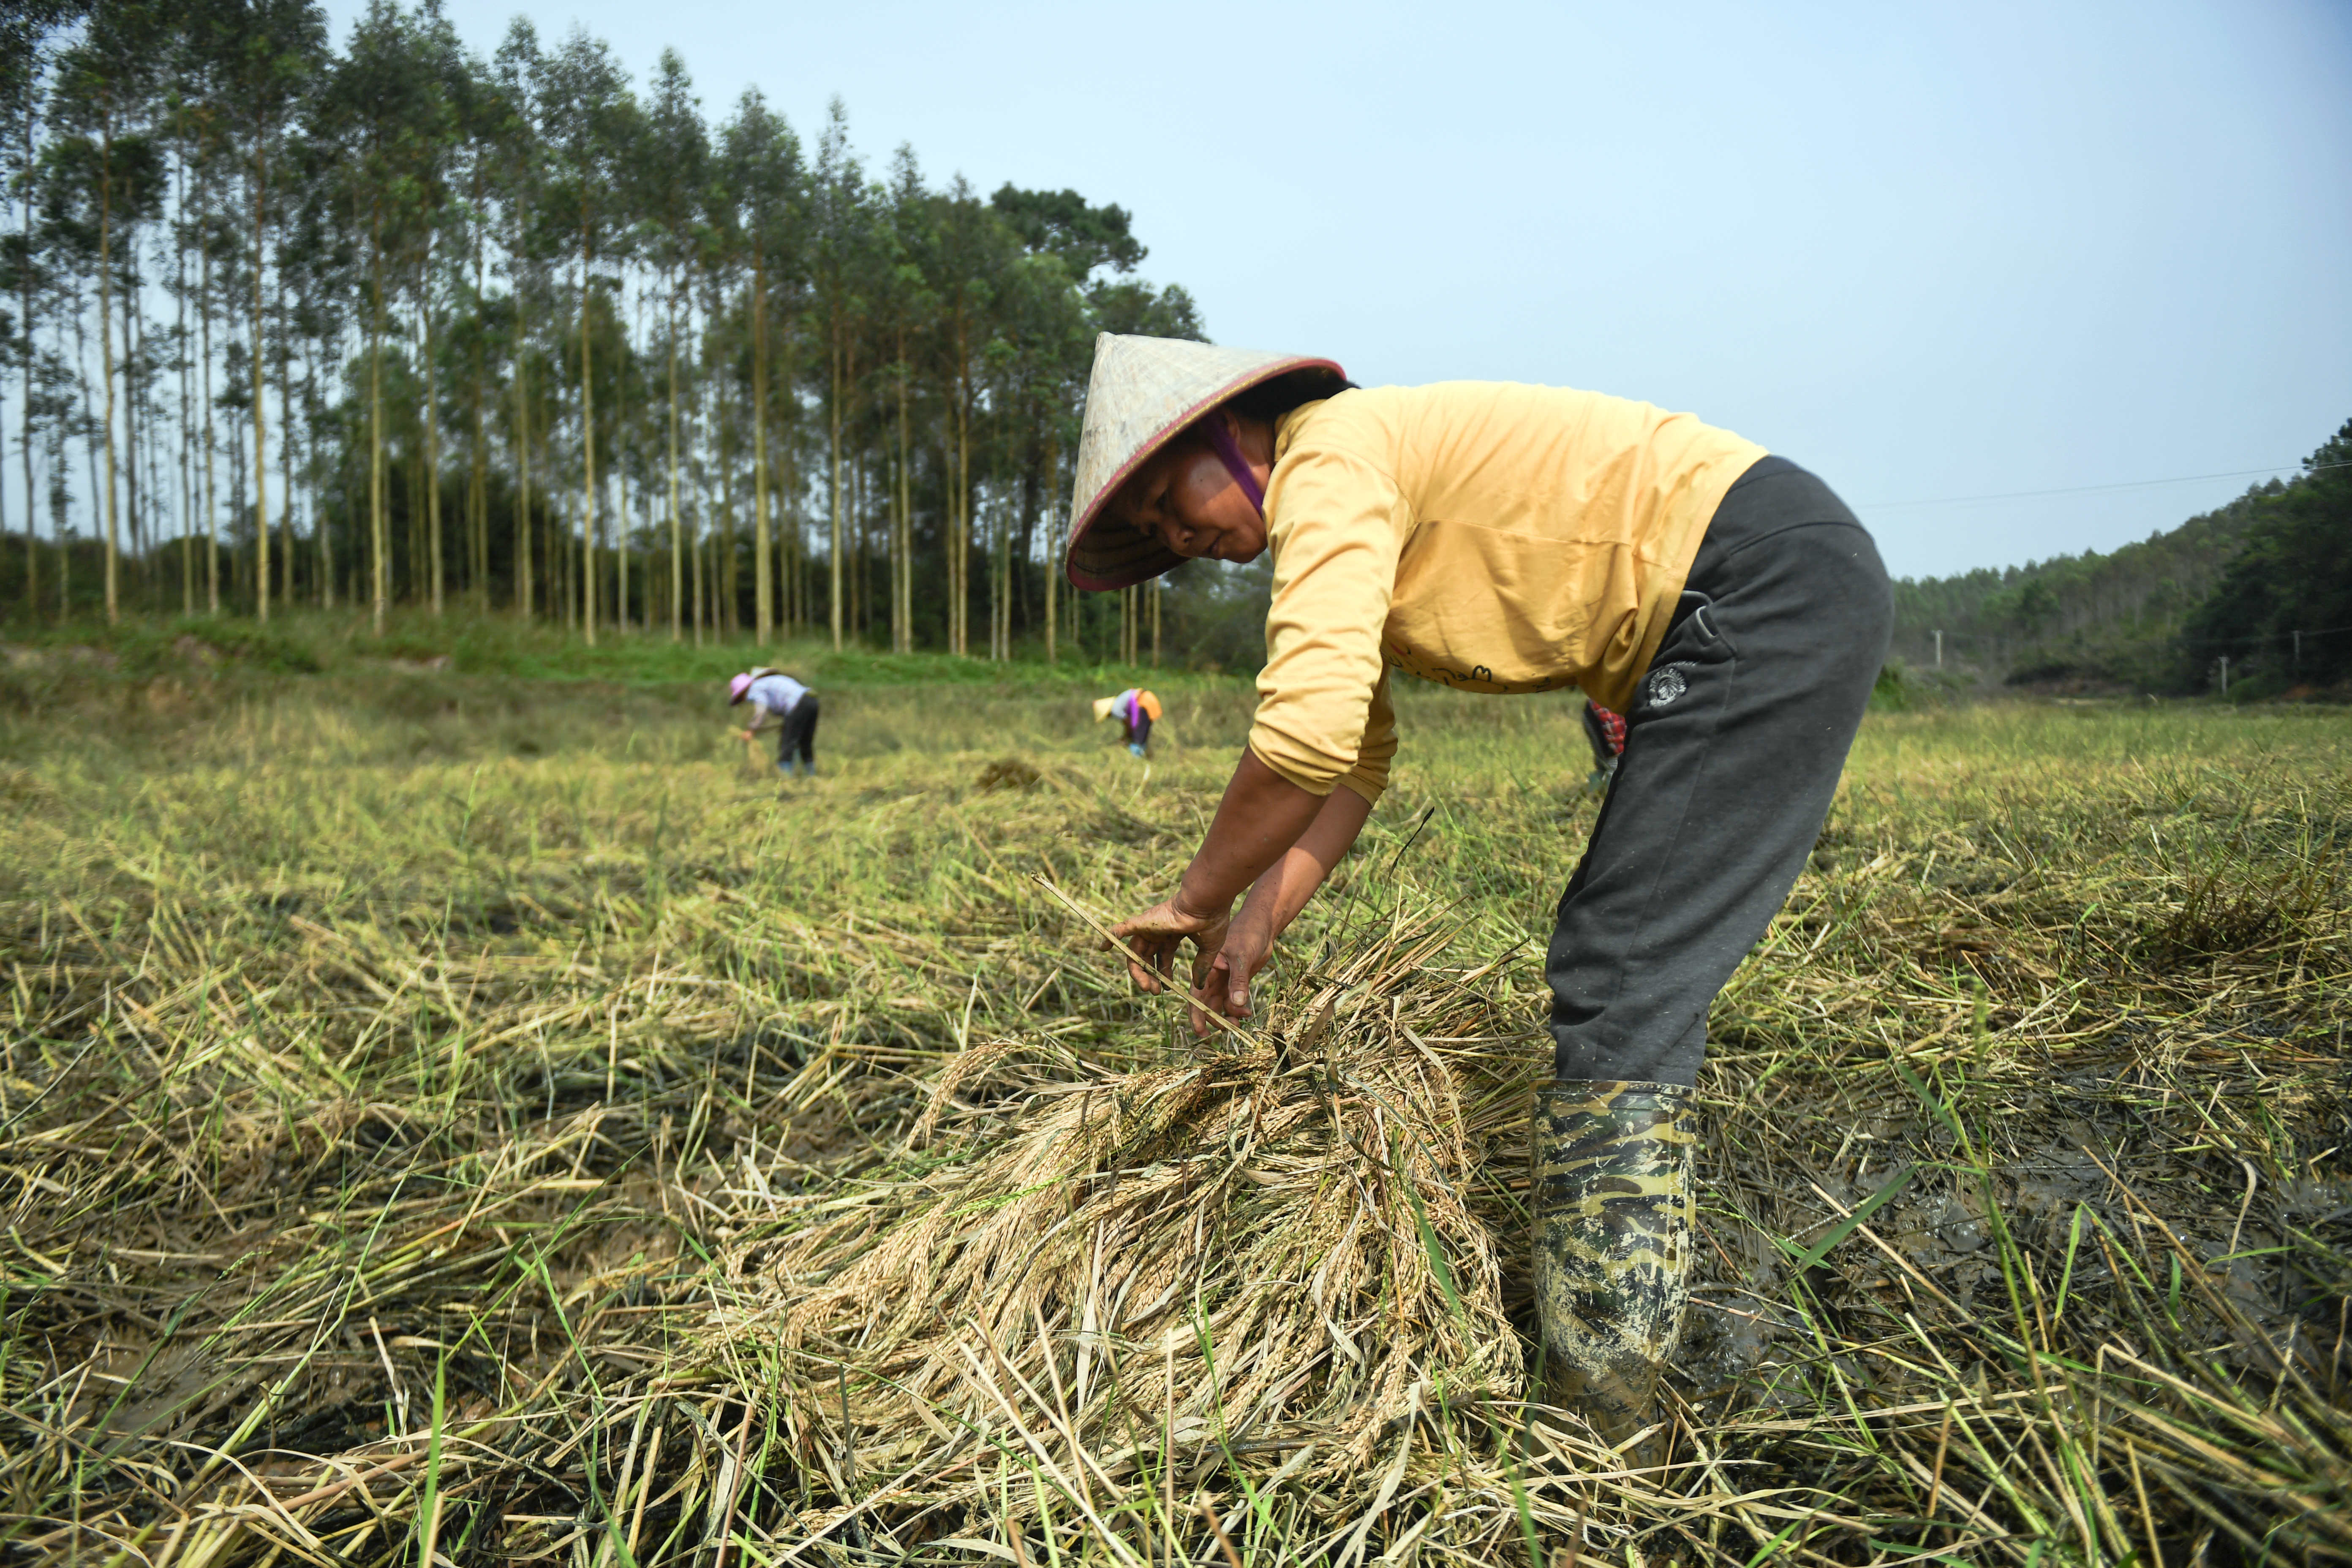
(1929, 250)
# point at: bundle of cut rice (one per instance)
(1281, 1255)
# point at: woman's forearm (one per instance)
(1262, 816)
(1278, 896)
(1292, 880)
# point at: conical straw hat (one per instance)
(1142, 393)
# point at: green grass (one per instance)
(428, 1099)
(226, 649)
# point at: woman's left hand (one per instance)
(1155, 935)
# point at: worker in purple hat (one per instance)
(781, 703)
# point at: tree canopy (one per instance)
(2283, 608)
(386, 323)
(2265, 582)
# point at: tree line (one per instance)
(396, 324)
(2283, 609)
(2265, 581)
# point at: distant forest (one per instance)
(2264, 582)
(394, 325)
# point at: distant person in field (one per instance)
(1136, 710)
(781, 703)
(1502, 538)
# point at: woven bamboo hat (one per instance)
(1143, 392)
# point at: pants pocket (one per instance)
(1693, 643)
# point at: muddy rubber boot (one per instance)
(1613, 1211)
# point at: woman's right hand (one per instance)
(1222, 974)
(1155, 935)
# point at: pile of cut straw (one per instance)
(1264, 1260)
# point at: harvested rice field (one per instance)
(455, 1121)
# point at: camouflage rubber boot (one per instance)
(1614, 1211)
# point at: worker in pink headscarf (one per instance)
(1136, 709)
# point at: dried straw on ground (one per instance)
(497, 1160)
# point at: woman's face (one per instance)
(1185, 497)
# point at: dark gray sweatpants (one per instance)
(1733, 747)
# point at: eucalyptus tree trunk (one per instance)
(89, 425)
(619, 526)
(763, 566)
(478, 512)
(792, 543)
(211, 435)
(959, 501)
(523, 597)
(861, 513)
(730, 591)
(25, 324)
(106, 352)
(703, 536)
(587, 457)
(1053, 554)
(902, 536)
(555, 529)
(999, 588)
(432, 453)
(261, 181)
(835, 606)
(187, 431)
(562, 548)
(379, 529)
(132, 515)
(477, 502)
(286, 460)
(325, 537)
(695, 549)
(676, 532)
(412, 513)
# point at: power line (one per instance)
(2086, 489)
(2026, 638)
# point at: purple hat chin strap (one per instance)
(1229, 452)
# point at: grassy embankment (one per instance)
(452, 1112)
(46, 663)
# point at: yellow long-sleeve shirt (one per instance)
(1490, 536)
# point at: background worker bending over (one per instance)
(1137, 710)
(778, 702)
